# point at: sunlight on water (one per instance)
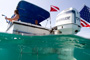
(51, 47)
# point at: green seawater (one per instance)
(50, 47)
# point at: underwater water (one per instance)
(50, 47)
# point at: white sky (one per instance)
(7, 7)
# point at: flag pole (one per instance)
(50, 18)
(50, 21)
(53, 9)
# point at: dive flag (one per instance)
(84, 23)
(85, 13)
(54, 8)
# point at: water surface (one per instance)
(50, 47)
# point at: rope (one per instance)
(46, 24)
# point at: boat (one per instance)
(67, 21)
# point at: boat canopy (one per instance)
(29, 12)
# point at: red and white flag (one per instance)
(54, 8)
(84, 23)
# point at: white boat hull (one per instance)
(27, 29)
